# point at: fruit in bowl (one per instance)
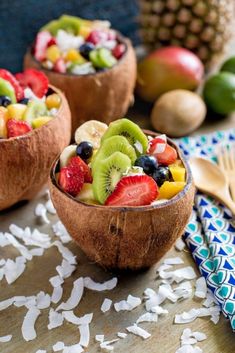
(88, 61)
(35, 126)
(125, 195)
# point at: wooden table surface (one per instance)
(165, 335)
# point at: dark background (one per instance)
(21, 19)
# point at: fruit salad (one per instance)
(118, 165)
(26, 102)
(77, 46)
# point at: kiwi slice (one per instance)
(131, 131)
(95, 59)
(34, 110)
(107, 174)
(111, 145)
(6, 89)
(106, 58)
(70, 24)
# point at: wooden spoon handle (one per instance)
(225, 198)
(230, 204)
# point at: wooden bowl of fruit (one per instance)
(124, 198)
(35, 126)
(88, 61)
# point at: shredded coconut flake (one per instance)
(43, 300)
(129, 304)
(13, 269)
(180, 244)
(106, 305)
(65, 269)
(138, 331)
(75, 297)
(55, 319)
(6, 303)
(66, 253)
(147, 317)
(121, 334)
(108, 285)
(73, 319)
(41, 211)
(84, 335)
(193, 314)
(60, 230)
(173, 261)
(41, 351)
(4, 339)
(28, 330)
(57, 294)
(201, 288)
(50, 208)
(99, 338)
(106, 345)
(178, 275)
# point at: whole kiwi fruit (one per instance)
(178, 113)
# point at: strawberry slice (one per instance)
(51, 42)
(70, 180)
(17, 128)
(82, 168)
(96, 36)
(162, 151)
(118, 51)
(20, 78)
(41, 43)
(135, 190)
(60, 66)
(34, 79)
(6, 75)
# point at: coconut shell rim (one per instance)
(123, 40)
(30, 133)
(173, 200)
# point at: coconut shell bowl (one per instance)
(103, 96)
(25, 161)
(125, 237)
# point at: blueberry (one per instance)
(5, 101)
(84, 150)
(148, 163)
(161, 174)
(24, 101)
(85, 49)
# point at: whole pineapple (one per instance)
(203, 26)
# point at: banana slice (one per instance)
(91, 131)
(68, 152)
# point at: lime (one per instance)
(219, 93)
(229, 65)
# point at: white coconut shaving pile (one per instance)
(174, 283)
(189, 339)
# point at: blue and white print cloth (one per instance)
(210, 233)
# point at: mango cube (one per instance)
(74, 56)
(170, 188)
(3, 127)
(177, 172)
(85, 30)
(16, 111)
(40, 121)
(53, 53)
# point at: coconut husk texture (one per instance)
(121, 237)
(25, 161)
(103, 96)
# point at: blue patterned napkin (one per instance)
(210, 233)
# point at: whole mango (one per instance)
(167, 69)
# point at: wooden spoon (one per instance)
(210, 179)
